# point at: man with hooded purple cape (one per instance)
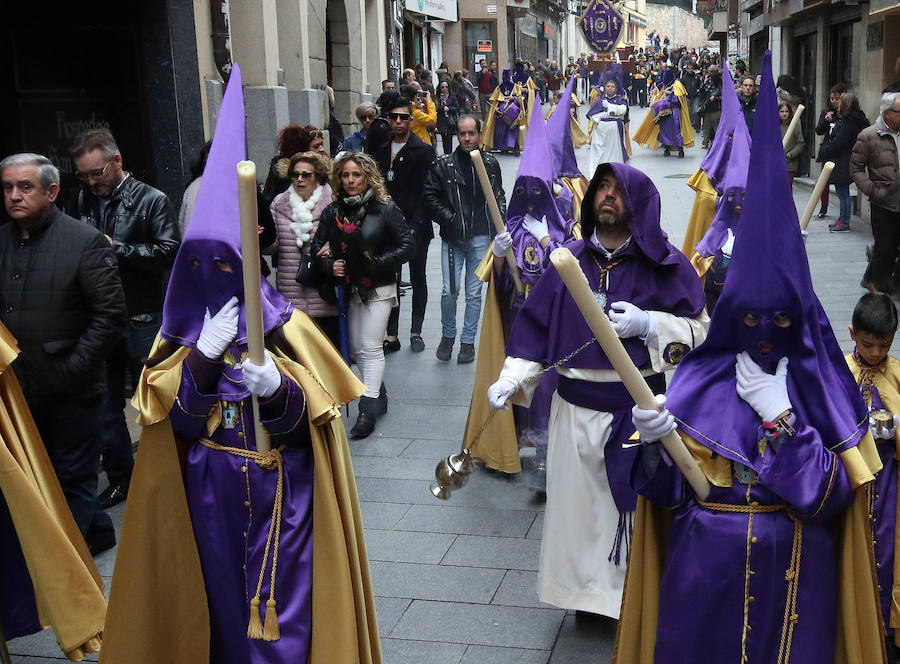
(508, 108)
(229, 554)
(775, 564)
(608, 115)
(657, 305)
(668, 124)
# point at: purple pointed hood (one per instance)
(207, 268)
(731, 186)
(533, 188)
(559, 132)
(731, 144)
(519, 74)
(768, 276)
(506, 85)
(642, 209)
(667, 77)
(613, 72)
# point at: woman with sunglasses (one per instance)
(361, 242)
(296, 213)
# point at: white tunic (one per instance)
(581, 517)
(606, 144)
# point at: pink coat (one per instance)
(285, 247)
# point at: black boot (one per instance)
(381, 402)
(365, 422)
(681, 152)
(666, 152)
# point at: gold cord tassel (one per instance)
(255, 628)
(271, 631)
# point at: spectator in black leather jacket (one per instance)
(361, 242)
(454, 200)
(140, 224)
(61, 297)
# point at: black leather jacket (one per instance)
(61, 297)
(144, 229)
(450, 201)
(386, 237)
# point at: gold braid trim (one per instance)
(792, 576)
(270, 460)
(740, 509)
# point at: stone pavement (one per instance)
(455, 581)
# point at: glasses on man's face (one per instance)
(399, 116)
(95, 174)
(302, 175)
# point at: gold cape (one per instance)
(860, 632)
(701, 214)
(159, 607)
(887, 382)
(579, 138)
(498, 445)
(68, 589)
(526, 96)
(647, 132)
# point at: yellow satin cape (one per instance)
(68, 589)
(526, 96)
(498, 446)
(860, 632)
(701, 214)
(579, 138)
(887, 382)
(158, 604)
(647, 133)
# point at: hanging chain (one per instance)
(530, 379)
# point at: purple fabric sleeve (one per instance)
(196, 396)
(808, 477)
(284, 410)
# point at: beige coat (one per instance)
(873, 166)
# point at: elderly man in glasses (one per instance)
(140, 224)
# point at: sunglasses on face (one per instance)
(315, 133)
(302, 175)
(399, 116)
(95, 174)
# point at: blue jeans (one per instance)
(470, 253)
(129, 353)
(843, 194)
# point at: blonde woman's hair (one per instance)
(368, 167)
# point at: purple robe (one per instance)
(505, 138)
(231, 510)
(669, 127)
(884, 518)
(710, 551)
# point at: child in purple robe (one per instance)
(878, 376)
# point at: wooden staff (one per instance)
(499, 226)
(821, 183)
(573, 276)
(793, 126)
(246, 173)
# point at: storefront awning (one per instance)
(441, 9)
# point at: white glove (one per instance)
(729, 245)
(653, 424)
(537, 228)
(219, 331)
(502, 243)
(766, 394)
(886, 433)
(499, 392)
(262, 380)
(629, 321)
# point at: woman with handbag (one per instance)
(361, 242)
(296, 213)
(448, 114)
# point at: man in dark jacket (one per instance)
(140, 223)
(61, 297)
(454, 199)
(747, 97)
(407, 158)
(692, 82)
(873, 166)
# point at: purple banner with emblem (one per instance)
(601, 26)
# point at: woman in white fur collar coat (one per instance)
(296, 214)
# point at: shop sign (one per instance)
(484, 46)
(442, 9)
(492, 10)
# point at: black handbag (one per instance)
(308, 273)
